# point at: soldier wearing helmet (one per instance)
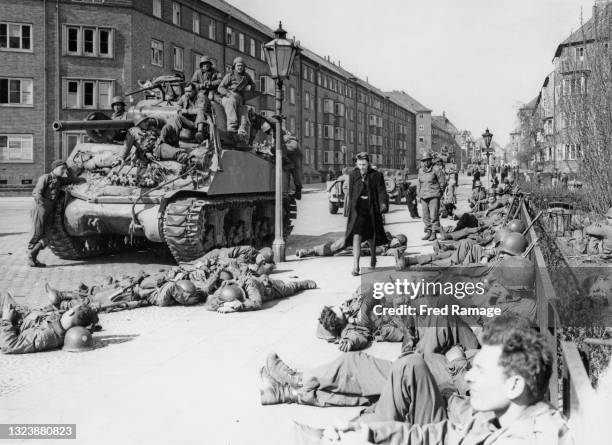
(250, 292)
(207, 79)
(513, 244)
(119, 114)
(602, 231)
(40, 330)
(516, 225)
(235, 89)
(195, 104)
(338, 247)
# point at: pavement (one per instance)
(182, 375)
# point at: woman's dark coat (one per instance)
(378, 195)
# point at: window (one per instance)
(212, 30)
(176, 13)
(16, 148)
(15, 36)
(307, 156)
(328, 157)
(229, 36)
(312, 128)
(291, 95)
(157, 53)
(328, 131)
(88, 93)
(15, 92)
(292, 124)
(252, 47)
(305, 73)
(319, 106)
(70, 139)
(580, 53)
(157, 11)
(241, 42)
(266, 85)
(319, 130)
(339, 133)
(360, 117)
(307, 100)
(421, 127)
(88, 41)
(360, 137)
(177, 58)
(196, 22)
(306, 128)
(421, 139)
(328, 106)
(339, 109)
(262, 53)
(351, 137)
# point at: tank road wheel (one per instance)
(184, 229)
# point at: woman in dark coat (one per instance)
(367, 199)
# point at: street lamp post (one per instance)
(280, 54)
(487, 136)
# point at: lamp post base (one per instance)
(278, 248)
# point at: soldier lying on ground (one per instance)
(396, 244)
(248, 293)
(156, 290)
(23, 330)
(507, 386)
(258, 261)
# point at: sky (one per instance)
(477, 60)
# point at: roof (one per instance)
(325, 63)
(407, 101)
(240, 16)
(587, 32)
(531, 104)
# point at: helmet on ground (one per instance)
(514, 244)
(426, 155)
(609, 213)
(516, 225)
(267, 255)
(117, 100)
(515, 273)
(189, 294)
(187, 286)
(205, 59)
(231, 292)
(237, 60)
(78, 339)
(501, 234)
(225, 275)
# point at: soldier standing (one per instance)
(430, 183)
(45, 195)
(234, 87)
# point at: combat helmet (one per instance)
(501, 234)
(188, 296)
(513, 244)
(117, 100)
(78, 339)
(231, 292)
(205, 59)
(516, 225)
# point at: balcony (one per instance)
(568, 66)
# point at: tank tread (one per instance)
(69, 247)
(184, 220)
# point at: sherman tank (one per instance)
(223, 196)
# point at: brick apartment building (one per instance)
(64, 59)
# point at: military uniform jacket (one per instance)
(235, 83)
(430, 182)
(48, 187)
(39, 331)
(211, 78)
(539, 424)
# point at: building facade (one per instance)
(66, 59)
(443, 137)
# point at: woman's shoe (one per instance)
(373, 263)
(355, 272)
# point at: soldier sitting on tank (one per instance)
(140, 141)
(193, 103)
(289, 144)
(467, 252)
(236, 88)
(207, 79)
(45, 193)
(396, 244)
(249, 293)
(40, 330)
(119, 114)
(167, 147)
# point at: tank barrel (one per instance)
(92, 125)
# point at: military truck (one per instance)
(224, 195)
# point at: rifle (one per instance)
(123, 305)
(161, 83)
(527, 251)
(114, 294)
(533, 221)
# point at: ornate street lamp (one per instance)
(487, 136)
(280, 54)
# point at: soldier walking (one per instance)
(430, 183)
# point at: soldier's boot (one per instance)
(33, 253)
(242, 129)
(281, 372)
(199, 136)
(55, 296)
(308, 284)
(427, 235)
(303, 253)
(432, 236)
(298, 192)
(273, 392)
